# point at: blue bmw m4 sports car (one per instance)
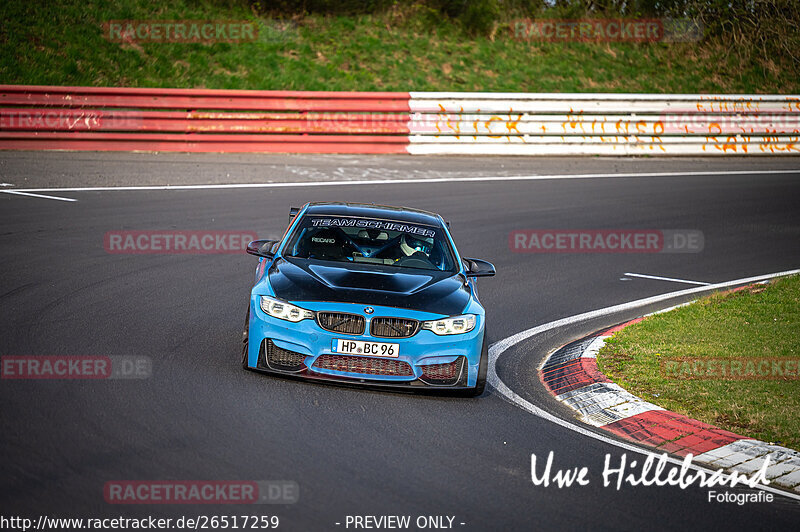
(370, 295)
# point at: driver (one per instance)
(413, 244)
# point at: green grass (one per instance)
(62, 43)
(759, 322)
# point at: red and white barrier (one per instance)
(200, 120)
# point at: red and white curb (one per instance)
(571, 375)
(497, 349)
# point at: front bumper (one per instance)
(304, 349)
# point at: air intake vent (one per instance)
(282, 359)
(364, 365)
(443, 374)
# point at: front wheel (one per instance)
(245, 340)
(483, 369)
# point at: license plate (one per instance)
(359, 347)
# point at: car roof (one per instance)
(381, 212)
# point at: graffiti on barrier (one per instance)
(717, 124)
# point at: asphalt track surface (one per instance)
(352, 451)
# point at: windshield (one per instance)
(371, 241)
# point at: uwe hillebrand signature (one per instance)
(652, 472)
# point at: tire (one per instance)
(483, 370)
(245, 340)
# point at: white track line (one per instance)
(20, 193)
(498, 348)
(657, 278)
(411, 181)
(6, 184)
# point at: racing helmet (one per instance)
(412, 244)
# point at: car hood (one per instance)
(424, 290)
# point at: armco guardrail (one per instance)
(88, 118)
(191, 120)
(604, 124)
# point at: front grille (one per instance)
(341, 322)
(364, 365)
(393, 327)
(442, 374)
(283, 359)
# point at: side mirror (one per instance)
(293, 212)
(478, 268)
(263, 248)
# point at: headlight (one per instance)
(283, 310)
(454, 325)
